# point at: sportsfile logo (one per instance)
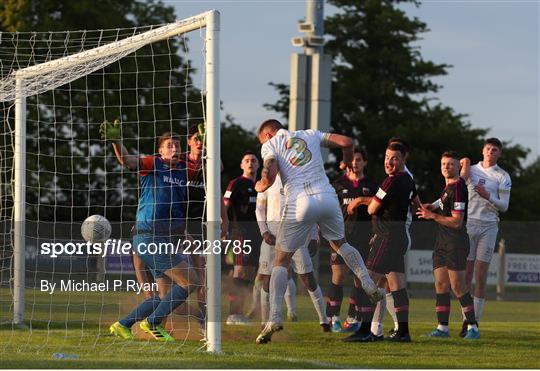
(119, 247)
(109, 247)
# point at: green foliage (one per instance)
(525, 193)
(235, 140)
(282, 105)
(54, 15)
(71, 173)
(382, 87)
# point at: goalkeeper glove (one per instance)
(110, 131)
(202, 132)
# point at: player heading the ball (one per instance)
(309, 200)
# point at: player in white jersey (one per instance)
(270, 205)
(489, 194)
(309, 200)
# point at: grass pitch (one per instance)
(510, 338)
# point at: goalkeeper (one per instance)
(160, 219)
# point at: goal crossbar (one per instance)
(15, 87)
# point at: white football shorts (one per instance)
(301, 262)
(302, 214)
(482, 237)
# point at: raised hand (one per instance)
(110, 131)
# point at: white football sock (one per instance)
(278, 286)
(442, 328)
(351, 319)
(378, 317)
(478, 307)
(377, 328)
(255, 296)
(354, 261)
(472, 326)
(391, 309)
(318, 303)
(290, 296)
(265, 305)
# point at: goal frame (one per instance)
(209, 20)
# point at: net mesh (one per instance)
(72, 82)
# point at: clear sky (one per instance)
(493, 46)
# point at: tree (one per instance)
(141, 100)
(382, 87)
(235, 141)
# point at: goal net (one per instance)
(56, 89)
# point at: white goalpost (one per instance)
(56, 71)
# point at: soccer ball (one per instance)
(96, 228)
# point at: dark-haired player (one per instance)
(309, 200)
(388, 304)
(389, 245)
(489, 194)
(451, 247)
(358, 230)
(240, 201)
(196, 193)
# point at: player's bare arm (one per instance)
(347, 146)
(268, 175)
(465, 164)
(112, 131)
(364, 200)
(132, 162)
(373, 206)
(455, 221)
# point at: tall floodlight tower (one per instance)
(311, 74)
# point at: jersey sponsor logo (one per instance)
(508, 184)
(380, 194)
(175, 181)
(459, 206)
(481, 181)
(345, 191)
(347, 201)
(195, 184)
(227, 194)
